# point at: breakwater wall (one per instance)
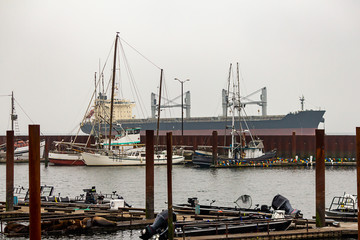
(336, 146)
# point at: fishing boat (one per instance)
(343, 206)
(242, 151)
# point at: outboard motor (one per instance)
(282, 203)
(159, 226)
(193, 201)
(91, 195)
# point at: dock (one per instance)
(134, 218)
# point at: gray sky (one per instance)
(49, 51)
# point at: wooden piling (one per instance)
(214, 146)
(293, 145)
(10, 170)
(34, 182)
(149, 174)
(320, 177)
(169, 185)
(358, 173)
(46, 153)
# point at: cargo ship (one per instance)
(303, 122)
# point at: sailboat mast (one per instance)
(227, 103)
(113, 89)
(12, 111)
(239, 106)
(158, 120)
(233, 120)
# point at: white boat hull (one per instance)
(96, 159)
(22, 153)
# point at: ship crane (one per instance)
(246, 100)
(170, 104)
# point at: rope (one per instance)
(141, 54)
(27, 115)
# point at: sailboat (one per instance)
(120, 156)
(241, 151)
(21, 147)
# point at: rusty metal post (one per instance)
(320, 177)
(34, 182)
(214, 146)
(358, 173)
(149, 174)
(10, 170)
(293, 145)
(169, 185)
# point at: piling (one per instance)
(149, 174)
(10, 170)
(34, 182)
(47, 143)
(214, 146)
(358, 173)
(320, 178)
(293, 145)
(169, 185)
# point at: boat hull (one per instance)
(66, 159)
(205, 160)
(22, 153)
(239, 227)
(103, 160)
(302, 123)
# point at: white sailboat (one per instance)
(121, 154)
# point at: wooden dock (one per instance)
(134, 218)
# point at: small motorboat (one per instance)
(240, 219)
(343, 206)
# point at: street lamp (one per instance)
(182, 106)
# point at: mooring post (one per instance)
(214, 146)
(34, 182)
(320, 178)
(47, 143)
(10, 170)
(358, 173)
(169, 185)
(293, 145)
(149, 174)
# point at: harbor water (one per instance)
(222, 185)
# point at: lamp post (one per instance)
(182, 106)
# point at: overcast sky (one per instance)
(50, 50)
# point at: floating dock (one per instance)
(134, 218)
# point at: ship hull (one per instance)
(302, 123)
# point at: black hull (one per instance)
(206, 161)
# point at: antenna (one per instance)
(302, 100)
